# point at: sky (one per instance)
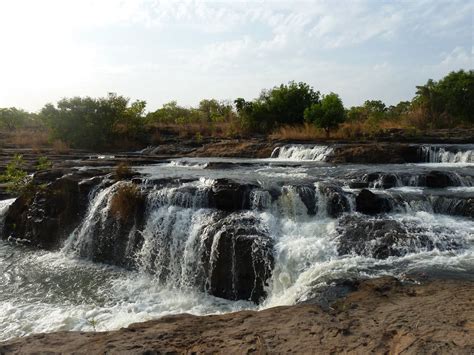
(160, 51)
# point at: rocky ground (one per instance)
(383, 316)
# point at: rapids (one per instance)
(294, 211)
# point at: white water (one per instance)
(436, 154)
(50, 291)
(302, 152)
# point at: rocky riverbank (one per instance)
(382, 316)
(243, 234)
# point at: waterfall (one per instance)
(447, 154)
(302, 152)
(4, 205)
(218, 245)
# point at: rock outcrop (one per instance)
(238, 259)
(381, 238)
(45, 215)
(369, 203)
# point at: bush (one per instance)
(123, 171)
(125, 201)
(15, 176)
(43, 164)
(60, 147)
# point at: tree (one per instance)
(284, 104)
(449, 100)
(12, 118)
(401, 109)
(327, 114)
(92, 123)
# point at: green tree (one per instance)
(170, 112)
(327, 114)
(284, 104)
(92, 123)
(12, 118)
(449, 100)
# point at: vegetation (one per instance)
(293, 110)
(125, 201)
(94, 123)
(327, 114)
(123, 170)
(15, 175)
(284, 104)
(43, 164)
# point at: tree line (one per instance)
(85, 122)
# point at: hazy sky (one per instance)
(188, 50)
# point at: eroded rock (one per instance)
(381, 238)
(369, 203)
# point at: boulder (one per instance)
(238, 258)
(46, 215)
(381, 238)
(336, 200)
(228, 195)
(438, 180)
(115, 239)
(307, 195)
(458, 206)
(382, 180)
(369, 203)
(358, 184)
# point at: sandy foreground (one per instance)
(382, 316)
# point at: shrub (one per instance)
(43, 163)
(60, 147)
(126, 201)
(123, 171)
(15, 176)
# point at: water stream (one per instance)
(296, 210)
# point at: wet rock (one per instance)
(369, 203)
(238, 258)
(219, 165)
(227, 195)
(336, 200)
(438, 180)
(49, 175)
(307, 195)
(46, 216)
(457, 206)
(381, 238)
(115, 239)
(358, 184)
(381, 180)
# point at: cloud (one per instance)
(202, 48)
(458, 58)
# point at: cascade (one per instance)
(210, 245)
(302, 152)
(447, 154)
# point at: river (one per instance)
(296, 222)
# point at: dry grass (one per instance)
(298, 133)
(123, 170)
(60, 147)
(227, 129)
(28, 138)
(126, 201)
(348, 130)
